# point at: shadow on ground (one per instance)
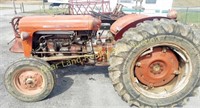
(63, 82)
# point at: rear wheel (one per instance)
(156, 64)
(29, 79)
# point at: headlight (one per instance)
(24, 35)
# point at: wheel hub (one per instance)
(29, 81)
(156, 68)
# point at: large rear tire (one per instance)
(156, 64)
(29, 79)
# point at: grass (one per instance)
(183, 16)
(186, 3)
(189, 17)
(32, 2)
(50, 11)
(2, 8)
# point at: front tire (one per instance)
(29, 79)
(142, 75)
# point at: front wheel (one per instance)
(156, 64)
(29, 79)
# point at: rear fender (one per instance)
(128, 21)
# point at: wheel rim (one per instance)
(156, 68)
(29, 81)
(172, 81)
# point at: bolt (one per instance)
(164, 50)
(138, 64)
(156, 67)
(29, 81)
(176, 72)
(146, 87)
(150, 86)
(186, 61)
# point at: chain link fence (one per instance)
(189, 15)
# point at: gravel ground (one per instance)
(77, 86)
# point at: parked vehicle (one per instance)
(153, 61)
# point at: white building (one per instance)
(150, 7)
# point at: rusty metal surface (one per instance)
(124, 21)
(119, 26)
(15, 22)
(57, 58)
(17, 46)
(157, 68)
(33, 24)
(101, 56)
(65, 22)
(103, 52)
(128, 21)
(69, 79)
(29, 81)
(117, 12)
(84, 7)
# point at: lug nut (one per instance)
(164, 50)
(138, 64)
(150, 86)
(176, 72)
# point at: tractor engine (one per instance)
(62, 43)
(56, 38)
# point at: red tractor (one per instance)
(153, 61)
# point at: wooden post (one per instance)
(20, 6)
(23, 7)
(43, 6)
(14, 7)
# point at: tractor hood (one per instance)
(64, 22)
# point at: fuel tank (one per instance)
(63, 22)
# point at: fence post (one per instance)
(43, 5)
(186, 15)
(23, 7)
(14, 7)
